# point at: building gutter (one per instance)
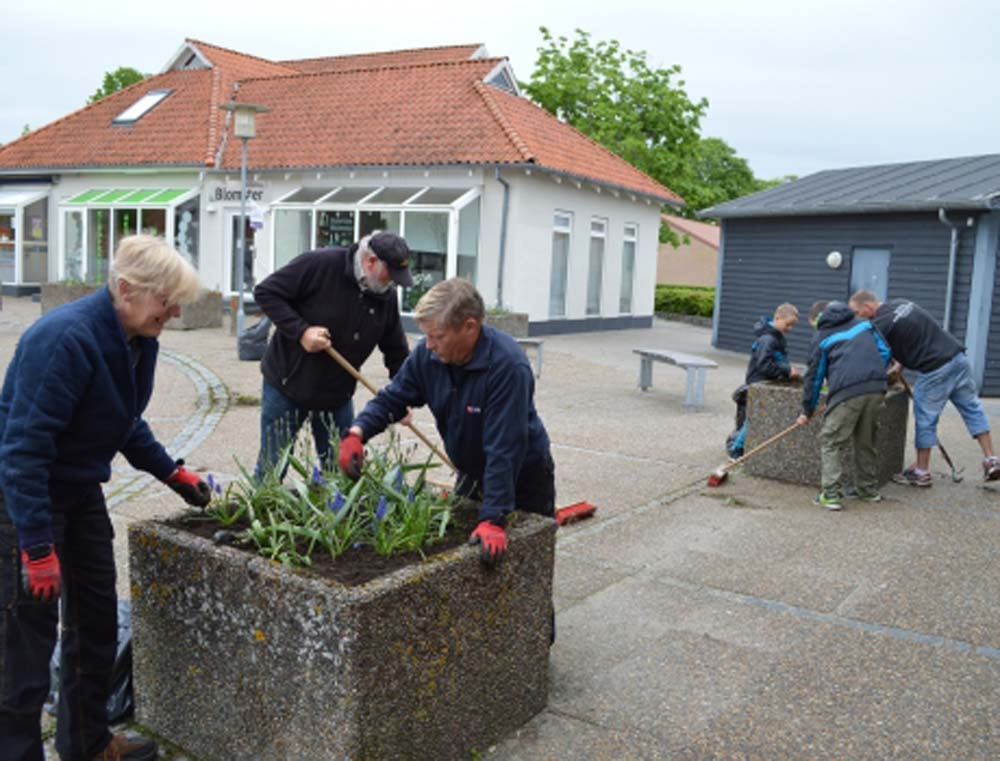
(505, 208)
(952, 255)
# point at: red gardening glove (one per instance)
(40, 572)
(192, 489)
(492, 541)
(352, 455)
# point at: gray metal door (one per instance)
(870, 271)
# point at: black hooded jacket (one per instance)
(849, 353)
(768, 360)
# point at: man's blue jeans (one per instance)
(951, 382)
(28, 630)
(281, 419)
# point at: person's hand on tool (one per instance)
(407, 418)
(189, 485)
(794, 374)
(802, 419)
(40, 572)
(894, 373)
(352, 454)
(315, 338)
(492, 541)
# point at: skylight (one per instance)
(139, 109)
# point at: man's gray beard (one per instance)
(366, 283)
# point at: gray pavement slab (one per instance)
(740, 622)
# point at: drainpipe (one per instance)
(952, 253)
(503, 234)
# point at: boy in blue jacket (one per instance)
(851, 356)
(768, 361)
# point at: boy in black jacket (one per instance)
(851, 355)
(768, 361)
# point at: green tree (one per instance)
(117, 80)
(641, 113)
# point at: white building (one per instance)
(436, 144)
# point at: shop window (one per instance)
(35, 242)
(427, 237)
(153, 222)
(595, 270)
(468, 241)
(7, 245)
(388, 221)
(393, 195)
(628, 269)
(186, 230)
(73, 245)
(126, 223)
(291, 234)
(98, 244)
(561, 226)
(334, 228)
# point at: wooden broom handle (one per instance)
(342, 361)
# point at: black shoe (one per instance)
(134, 748)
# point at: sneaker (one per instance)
(129, 748)
(910, 477)
(991, 469)
(873, 497)
(830, 503)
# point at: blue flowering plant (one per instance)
(317, 509)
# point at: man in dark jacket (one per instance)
(768, 361)
(919, 343)
(480, 387)
(851, 356)
(339, 297)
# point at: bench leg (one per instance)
(645, 373)
(694, 397)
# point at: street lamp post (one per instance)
(244, 127)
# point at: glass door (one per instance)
(233, 233)
(7, 273)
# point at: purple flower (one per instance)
(382, 508)
(213, 485)
(317, 477)
(410, 497)
(399, 479)
(334, 505)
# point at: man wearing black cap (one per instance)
(339, 297)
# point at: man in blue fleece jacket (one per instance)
(72, 398)
(479, 385)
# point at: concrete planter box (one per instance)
(774, 406)
(204, 312)
(239, 658)
(513, 323)
(56, 294)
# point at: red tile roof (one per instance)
(410, 114)
(389, 58)
(704, 232)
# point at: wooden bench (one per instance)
(695, 366)
(538, 344)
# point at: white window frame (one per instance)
(566, 229)
(602, 235)
(633, 238)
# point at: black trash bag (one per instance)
(253, 341)
(121, 704)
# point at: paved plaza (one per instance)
(739, 622)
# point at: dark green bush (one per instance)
(685, 299)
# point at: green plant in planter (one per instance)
(390, 507)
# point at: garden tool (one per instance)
(575, 512)
(720, 474)
(956, 473)
(342, 361)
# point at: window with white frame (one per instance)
(562, 225)
(595, 269)
(629, 242)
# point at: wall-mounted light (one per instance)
(834, 259)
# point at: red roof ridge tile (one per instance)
(505, 125)
(289, 61)
(193, 41)
(388, 67)
(214, 115)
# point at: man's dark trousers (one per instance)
(28, 631)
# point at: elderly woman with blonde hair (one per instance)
(73, 397)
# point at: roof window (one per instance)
(141, 107)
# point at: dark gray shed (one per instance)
(925, 230)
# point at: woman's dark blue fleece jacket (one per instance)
(71, 400)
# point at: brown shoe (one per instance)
(134, 748)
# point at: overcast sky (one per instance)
(794, 86)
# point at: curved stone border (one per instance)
(211, 404)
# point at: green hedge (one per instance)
(685, 299)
